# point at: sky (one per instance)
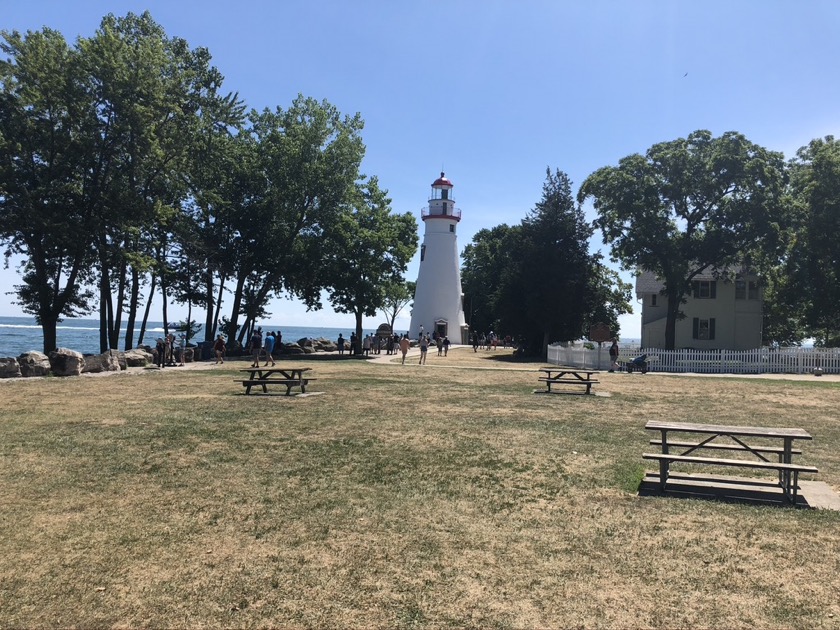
(495, 92)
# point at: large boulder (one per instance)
(9, 367)
(34, 363)
(325, 345)
(138, 357)
(292, 348)
(65, 362)
(105, 362)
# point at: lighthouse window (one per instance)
(422, 253)
(444, 194)
(452, 228)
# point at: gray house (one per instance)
(719, 314)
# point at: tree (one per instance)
(368, 251)
(485, 261)
(687, 205)
(537, 280)
(547, 299)
(397, 295)
(813, 263)
(302, 165)
(43, 216)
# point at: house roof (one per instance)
(647, 282)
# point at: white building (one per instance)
(438, 302)
(719, 314)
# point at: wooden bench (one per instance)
(568, 376)
(788, 472)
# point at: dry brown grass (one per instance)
(401, 496)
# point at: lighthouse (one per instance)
(438, 302)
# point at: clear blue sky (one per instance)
(494, 92)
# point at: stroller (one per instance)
(639, 364)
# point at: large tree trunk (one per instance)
(358, 348)
(134, 298)
(215, 321)
(147, 310)
(48, 326)
(237, 305)
(104, 305)
(116, 315)
(671, 321)
(209, 295)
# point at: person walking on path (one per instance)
(340, 343)
(424, 349)
(269, 348)
(614, 355)
(405, 344)
(256, 346)
(446, 343)
(219, 348)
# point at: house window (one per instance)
(746, 290)
(704, 289)
(422, 253)
(653, 299)
(703, 329)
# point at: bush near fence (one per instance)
(757, 361)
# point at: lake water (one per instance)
(21, 334)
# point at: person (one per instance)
(614, 355)
(446, 346)
(405, 344)
(475, 341)
(182, 343)
(424, 349)
(366, 345)
(170, 349)
(269, 348)
(352, 343)
(340, 343)
(256, 346)
(160, 348)
(219, 348)
(439, 344)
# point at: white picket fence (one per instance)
(758, 361)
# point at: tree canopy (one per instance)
(690, 204)
(124, 164)
(538, 280)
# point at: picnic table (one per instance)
(568, 376)
(265, 377)
(733, 439)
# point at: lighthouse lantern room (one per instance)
(438, 302)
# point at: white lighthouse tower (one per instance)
(438, 303)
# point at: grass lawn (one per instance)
(402, 496)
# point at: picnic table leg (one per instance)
(663, 463)
(784, 475)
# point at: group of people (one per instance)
(489, 341)
(168, 353)
(260, 343)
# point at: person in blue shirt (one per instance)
(269, 348)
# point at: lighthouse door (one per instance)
(441, 327)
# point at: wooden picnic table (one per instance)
(288, 377)
(733, 439)
(568, 376)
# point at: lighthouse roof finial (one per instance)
(442, 181)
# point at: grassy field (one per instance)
(401, 496)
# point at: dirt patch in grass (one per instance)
(402, 496)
